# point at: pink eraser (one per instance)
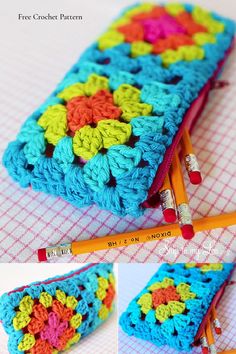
(195, 177)
(218, 330)
(169, 215)
(42, 255)
(187, 232)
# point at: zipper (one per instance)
(56, 279)
(214, 303)
(189, 120)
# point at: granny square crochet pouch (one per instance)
(108, 132)
(174, 306)
(49, 317)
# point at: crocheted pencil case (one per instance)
(107, 134)
(49, 317)
(173, 307)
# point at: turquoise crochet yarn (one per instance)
(172, 306)
(49, 317)
(104, 131)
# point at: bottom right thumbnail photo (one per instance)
(177, 308)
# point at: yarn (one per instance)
(51, 316)
(171, 307)
(103, 133)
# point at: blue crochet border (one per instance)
(179, 331)
(131, 190)
(88, 279)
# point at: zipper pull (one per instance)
(218, 84)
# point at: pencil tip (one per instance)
(42, 256)
(187, 232)
(195, 177)
(218, 330)
(169, 215)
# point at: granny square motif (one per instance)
(49, 317)
(172, 306)
(104, 133)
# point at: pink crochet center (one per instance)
(163, 27)
(53, 330)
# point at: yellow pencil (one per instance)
(135, 237)
(210, 338)
(190, 159)
(167, 200)
(181, 198)
(216, 321)
(204, 344)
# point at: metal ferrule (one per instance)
(59, 251)
(217, 323)
(212, 349)
(184, 214)
(167, 200)
(191, 163)
(204, 343)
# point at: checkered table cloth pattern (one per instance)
(30, 220)
(139, 274)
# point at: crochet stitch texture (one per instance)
(103, 133)
(171, 307)
(51, 316)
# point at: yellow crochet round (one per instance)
(76, 321)
(101, 293)
(71, 302)
(27, 342)
(103, 313)
(61, 296)
(94, 84)
(146, 303)
(54, 121)
(174, 9)
(165, 283)
(21, 320)
(26, 305)
(110, 39)
(111, 279)
(126, 92)
(88, 141)
(140, 48)
(45, 299)
(73, 341)
(103, 283)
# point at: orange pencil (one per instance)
(167, 200)
(181, 198)
(216, 321)
(204, 343)
(190, 159)
(210, 338)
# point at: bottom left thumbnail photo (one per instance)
(52, 308)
